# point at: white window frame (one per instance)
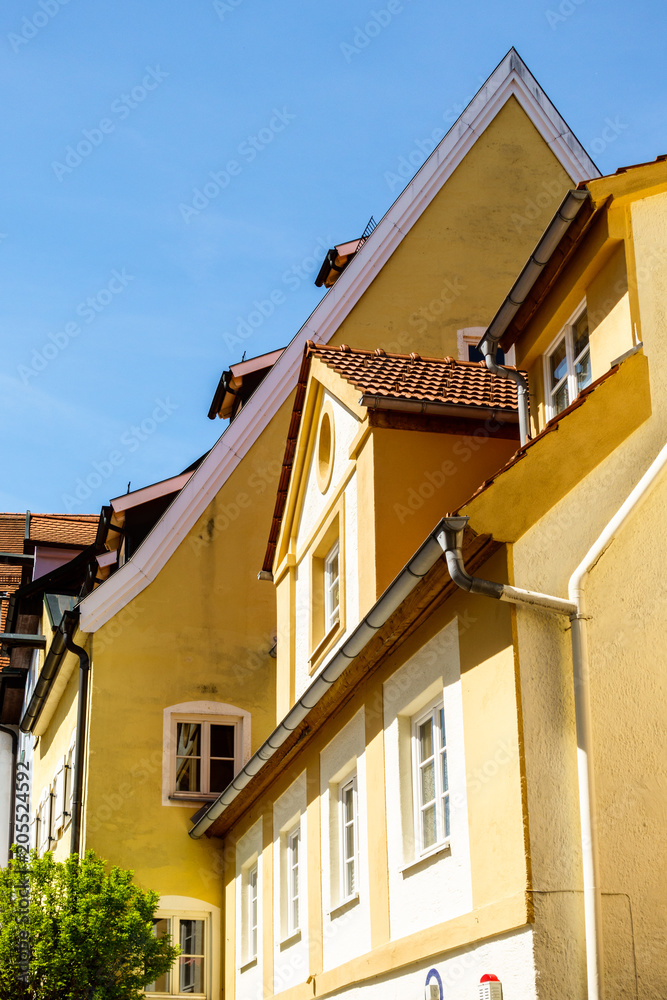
(352, 860)
(441, 794)
(251, 902)
(174, 918)
(570, 377)
(205, 721)
(331, 610)
(292, 881)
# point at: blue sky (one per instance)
(122, 292)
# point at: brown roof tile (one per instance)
(411, 377)
(12, 532)
(66, 529)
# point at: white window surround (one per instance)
(569, 379)
(349, 839)
(470, 336)
(213, 712)
(430, 783)
(190, 908)
(250, 912)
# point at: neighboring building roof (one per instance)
(64, 529)
(510, 80)
(12, 532)
(339, 257)
(463, 387)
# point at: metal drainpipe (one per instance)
(489, 349)
(81, 712)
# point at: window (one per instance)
(467, 341)
(251, 914)
(349, 838)
(293, 844)
(331, 588)
(429, 749)
(187, 976)
(206, 756)
(69, 781)
(43, 823)
(567, 365)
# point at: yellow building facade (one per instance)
(180, 637)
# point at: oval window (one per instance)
(325, 451)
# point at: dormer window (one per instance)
(567, 368)
(331, 587)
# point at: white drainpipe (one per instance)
(451, 540)
(580, 667)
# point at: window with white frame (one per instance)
(188, 975)
(58, 803)
(205, 756)
(293, 844)
(467, 341)
(567, 364)
(43, 823)
(349, 838)
(429, 752)
(331, 588)
(251, 913)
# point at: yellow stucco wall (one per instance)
(454, 267)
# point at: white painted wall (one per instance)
(346, 931)
(6, 795)
(248, 850)
(291, 953)
(439, 888)
(510, 957)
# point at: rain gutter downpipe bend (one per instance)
(421, 563)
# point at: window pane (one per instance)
(161, 985)
(441, 723)
(561, 398)
(445, 776)
(188, 739)
(222, 741)
(191, 974)
(580, 334)
(187, 774)
(447, 816)
(426, 740)
(583, 371)
(428, 826)
(349, 841)
(192, 937)
(348, 803)
(349, 878)
(335, 598)
(428, 783)
(221, 773)
(558, 363)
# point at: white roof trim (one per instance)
(511, 78)
(152, 492)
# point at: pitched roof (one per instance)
(383, 379)
(510, 79)
(411, 377)
(12, 532)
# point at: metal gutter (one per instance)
(377, 402)
(11, 639)
(49, 672)
(419, 565)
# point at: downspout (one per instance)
(489, 349)
(81, 714)
(452, 541)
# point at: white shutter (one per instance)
(34, 828)
(44, 822)
(58, 799)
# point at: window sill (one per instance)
(291, 939)
(444, 848)
(193, 796)
(343, 907)
(248, 965)
(324, 646)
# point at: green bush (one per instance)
(71, 930)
